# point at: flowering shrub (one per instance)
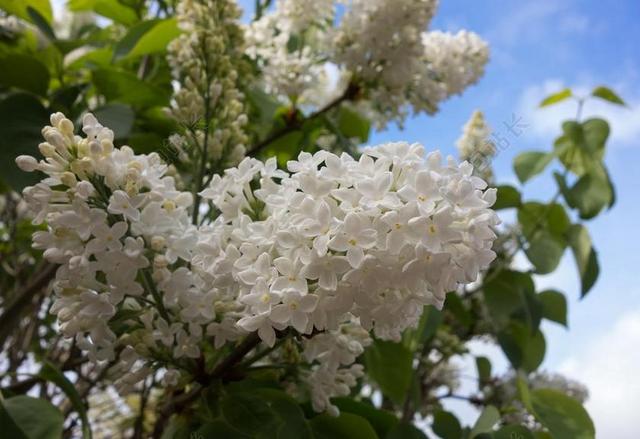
(226, 258)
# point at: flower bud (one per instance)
(27, 163)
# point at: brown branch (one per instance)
(13, 312)
(351, 92)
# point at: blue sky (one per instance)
(538, 47)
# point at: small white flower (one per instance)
(121, 204)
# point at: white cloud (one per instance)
(609, 367)
(544, 123)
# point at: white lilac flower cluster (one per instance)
(290, 45)
(206, 60)
(476, 146)
(116, 225)
(378, 237)
(381, 45)
(333, 249)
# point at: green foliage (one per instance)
(390, 364)
(24, 72)
(557, 97)
(118, 117)
(247, 413)
(345, 426)
(30, 418)
(585, 256)
(554, 306)
(125, 87)
(112, 9)
(50, 372)
(607, 94)
(531, 163)
(23, 117)
(582, 145)
(562, 415)
(146, 37)
(483, 366)
(405, 431)
(21, 8)
(446, 425)
(485, 423)
(382, 421)
(507, 197)
(352, 124)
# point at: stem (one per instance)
(146, 277)
(264, 353)
(13, 311)
(471, 399)
(205, 144)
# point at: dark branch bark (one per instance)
(13, 312)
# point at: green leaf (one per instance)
(37, 418)
(545, 228)
(51, 373)
(118, 117)
(156, 39)
(530, 163)
(8, 425)
(381, 420)
(563, 416)
(24, 72)
(23, 117)
(507, 197)
(20, 8)
(561, 181)
(146, 37)
(554, 306)
(488, 418)
(523, 391)
(545, 252)
(285, 148)
(581, 146)
(127, 88)
(404, 430)
(483, 365)
(454, 304)
(390, 365)
(607, 94)
(525, 350)
(513, 432)
(131, 38)
(293, 425)
(353, 124)
(511, 295)
(535, 217)
(41, 22)
(556, 97)
(218, 429)
(345, 426)
(414, 338)
(446, 425)
(247, 413)
(592, 192)
(112, 9)
(585, 256)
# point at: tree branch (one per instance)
(350, 93)
(13, 312)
